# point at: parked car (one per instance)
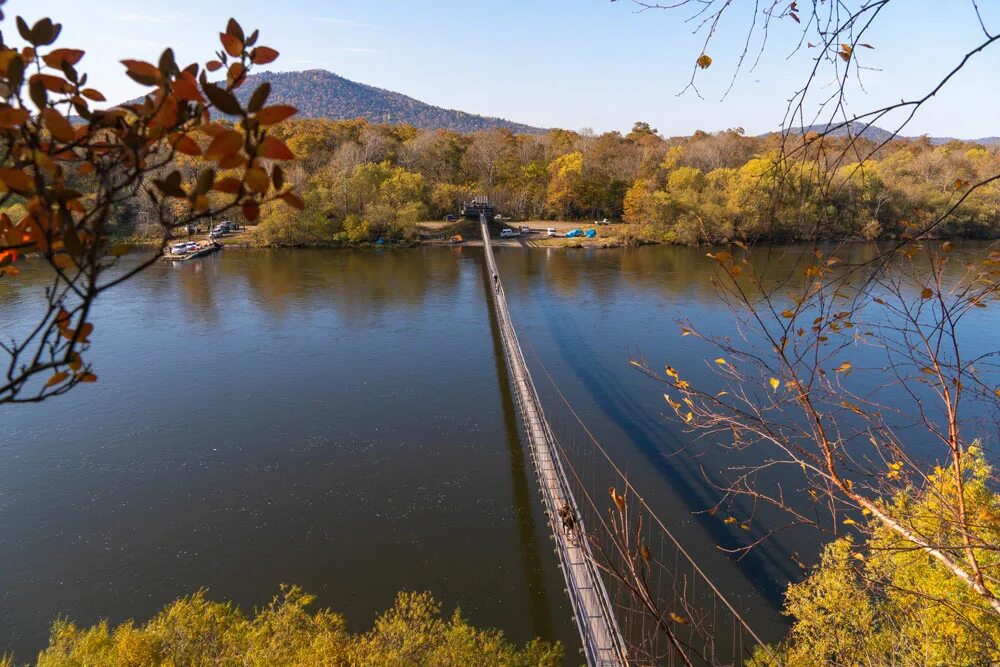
(507, 233)
(605, 221)
(573, 233)
(179, 249)
(450, 218)
(215, 233)
(551, 231)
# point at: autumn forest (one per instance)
(362, 181)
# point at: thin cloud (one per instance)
(358, 49)
(347, 23)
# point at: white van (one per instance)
(551, 231)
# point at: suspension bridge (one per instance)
(638, 598)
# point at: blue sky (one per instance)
(567, 63)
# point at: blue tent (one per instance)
(573, 233)
(591, 233)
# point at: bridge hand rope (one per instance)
(740, 623)
(603, 643)
(705, 638)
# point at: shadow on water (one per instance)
(642, 430)
(527, 530)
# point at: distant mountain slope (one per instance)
(877, 134)
(318, 93)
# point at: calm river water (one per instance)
(335, 419)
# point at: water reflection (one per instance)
(333, 418)
(523, 493)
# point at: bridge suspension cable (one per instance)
(603, 643)
(663, 608)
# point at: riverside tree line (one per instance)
(361, 181)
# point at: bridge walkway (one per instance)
(603, 643)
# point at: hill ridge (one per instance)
(319, 93)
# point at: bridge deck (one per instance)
(603, 643)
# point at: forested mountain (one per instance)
(318, 93)
(878, 135)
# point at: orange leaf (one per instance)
(85, 330)
(16, 179)
(86, 377)
(186, 88)
(11, 117)
(228, 185)
(57, 378)
(263, 55)
(213, 129)
(182, 143)
(142, 68)
(293, 200)
(57, 124)
(232, 162)
(275, 114)
(257, 179)
(53, 84)
(926, 293)
(56, 58)
(93, 94)
(224, 144)
(274, 149)
(235, 74)
(231, 44)
(167, 115)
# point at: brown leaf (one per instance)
(704, 61)
(251, 211)
(57, 124)
(57, 57)
(224, 100)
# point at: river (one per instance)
(336, 419)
